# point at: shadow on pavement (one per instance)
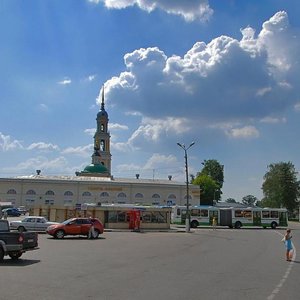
(19, 262)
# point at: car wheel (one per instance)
(21, 229)
(59, 234)
(15, 256)
(1, 254)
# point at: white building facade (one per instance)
(36, 190)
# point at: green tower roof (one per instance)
(99, 168)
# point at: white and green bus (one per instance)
(201, 215)
(236, 217)
(253, 216)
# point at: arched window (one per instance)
(104, 194)
(190, 197)
(122, 195)
(49, 193)
(49, 201)
(171, 200)
(68, 193)
(102, 145)
(30, 192)
(86, 194)
(11, 192)
(139, 195)
(155, 196)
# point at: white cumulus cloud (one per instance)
(65, 81)
(244, 132)
(7, 144)
(224, 81)
(190, 10)
(41, 163)
(84, 151)
(43, 147)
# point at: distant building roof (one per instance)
(93, 178)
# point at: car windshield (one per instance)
(67, 221)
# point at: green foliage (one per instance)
(215, 170)
(249, 200)
(230, 200)
(208, 188)
(280, 186)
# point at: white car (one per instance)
(31, 223)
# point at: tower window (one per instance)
(102, 145)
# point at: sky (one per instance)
(223, 74)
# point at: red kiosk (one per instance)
(134, 219)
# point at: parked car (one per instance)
(23, 210)
(13, 243)
(12, 212)
(76, 226)
(31, 223)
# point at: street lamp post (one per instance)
(187, 217)
(199, 194)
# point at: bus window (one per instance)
(195, 212)
(238, 214)
(274, 214)
(266, 214)
(204, 213)
(247, 214)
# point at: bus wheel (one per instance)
(237, 225)
(273, 225)
(194, 224)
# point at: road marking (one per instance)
(286, 275)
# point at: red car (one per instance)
(76, 226)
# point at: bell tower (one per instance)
(101, 153)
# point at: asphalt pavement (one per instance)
(203, 264)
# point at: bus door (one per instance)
(283, 218)
(256, 218)
(226, 217)
(183, 216)
(213, 214)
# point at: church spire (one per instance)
(102, 102)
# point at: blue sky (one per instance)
(224, 74)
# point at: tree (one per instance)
(230, 200)
(215, 170)
(207, 188)
(249, 200)
(281, 187)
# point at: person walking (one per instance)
(288, 244)
(214, 223)
(92, 230)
